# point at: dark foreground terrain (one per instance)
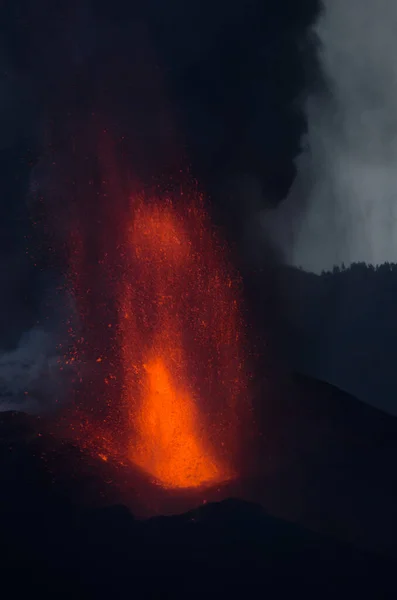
(329, 463)
(55, 548)
(65, 532)
(341, 326)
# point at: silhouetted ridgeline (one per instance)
(63, 533)
(341, 326)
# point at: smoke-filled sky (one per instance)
(342, 207)
(230, 78)
(284, 110)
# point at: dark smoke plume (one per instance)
(231, 77)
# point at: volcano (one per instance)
(75, 533)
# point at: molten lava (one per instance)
(161, 323)
(170, 300)
(168, 443)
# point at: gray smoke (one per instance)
(31, 374)
(343, 205)
(34, 376)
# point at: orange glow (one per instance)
(161, 330)
(171, 438)
(168, 443)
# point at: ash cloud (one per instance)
(342, 207)
(232, 76)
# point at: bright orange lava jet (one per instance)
(171, 440)
(168, 443)
(161, 308)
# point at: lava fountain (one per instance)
(161, 321)
(178, 324)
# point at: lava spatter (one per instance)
(161, 305)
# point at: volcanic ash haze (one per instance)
(342, 208)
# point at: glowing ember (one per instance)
(161, 325)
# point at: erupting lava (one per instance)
(168, 443)
(161, 306)
(158, 309)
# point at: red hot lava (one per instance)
(161, 312)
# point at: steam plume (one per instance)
(342, 208)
